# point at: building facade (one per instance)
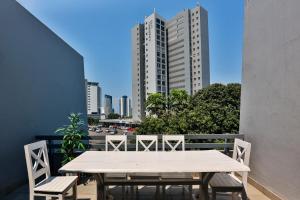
(123, 106)
(108, 105)
(174, 55)
(93, 96)
(42, 82)
(270, 106)
(138, 71)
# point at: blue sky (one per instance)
(100, 31)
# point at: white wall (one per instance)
(41, 82)
(270, 104)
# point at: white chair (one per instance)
(41, 183)
(116, 143)
(146, 143)
(224, 182)
(175, 143)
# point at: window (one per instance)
(162, 23)
(162, 28)
(157, 21)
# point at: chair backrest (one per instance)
(117, 142)
(146, 142)
(173, 142)
(37, 162)
(241, 153)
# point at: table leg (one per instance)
(204, 186)
(100, 186)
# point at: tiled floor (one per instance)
(87, 192)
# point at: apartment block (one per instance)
(93, 96)
(169, 54)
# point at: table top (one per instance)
(153, 162)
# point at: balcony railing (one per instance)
(223, 142)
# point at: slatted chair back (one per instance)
(37, 162)
(241, 153)
(146, 142)
(173, 142)
(117, 142)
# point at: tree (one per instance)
(214, 109)
(156, 104)
(92, 121)
(113, 116)
(151, 125)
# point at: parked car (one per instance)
(98, 130)
(113, 131)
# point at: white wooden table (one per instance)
(207, 163)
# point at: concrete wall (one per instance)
(270, 109)
(41, 82)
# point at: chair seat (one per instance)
(224, 180)
(57, 184)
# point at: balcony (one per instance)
(87, 187)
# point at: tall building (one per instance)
(169, 54)
(123, 106)
(138, 71)
(129, 108)
(108, 104)
(93, 96)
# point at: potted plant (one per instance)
(72, 137)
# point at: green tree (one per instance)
(113, 116)
(151, 125)
(72, 135)
(92, 121)
(214, 109)
(156, 104)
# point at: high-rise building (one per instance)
(108, 104)
(138, 71)
(123, 106)
(129, 108)
(93, 96)
(169, 54)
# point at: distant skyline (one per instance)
(100, 31)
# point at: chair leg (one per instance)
(75, 192)
(157, 192)
(190, 192)
(214, 195)
(244, 195)
(123, 191)
(164, 191)
(61, 197)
